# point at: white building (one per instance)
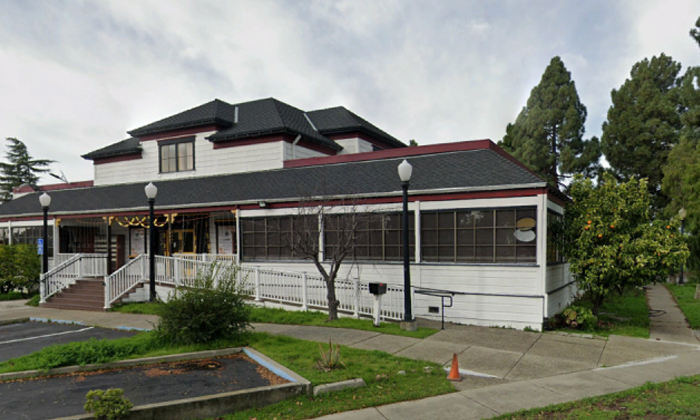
(227, 173)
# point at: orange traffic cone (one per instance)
(454, 371)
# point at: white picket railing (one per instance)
(225, 258)
(76, 267)
(123, 280)
(302, 289)
(310, 291)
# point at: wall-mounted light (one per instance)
(262, 204)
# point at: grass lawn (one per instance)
(685, 296)
(379, 370)
(677, 399)
(281, 316)
(622, 315)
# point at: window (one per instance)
(479, 236)
(29, 235)
(177, 155)
(555, 238)
(376, 237)
(273, 238)
(4, 236)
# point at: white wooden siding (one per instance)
(208, 161)
(501, 311)
(558, 276)
(292, 152)
(354, 145)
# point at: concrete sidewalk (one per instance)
(503, 370)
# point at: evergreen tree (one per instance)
(21, 169)
(548, 133)
(643, 123)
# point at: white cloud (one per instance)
(77, 75)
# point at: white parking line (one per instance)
(44, 336)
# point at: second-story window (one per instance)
(177, 155)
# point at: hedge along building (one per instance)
(232, 178)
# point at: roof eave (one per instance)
(142, 132)
(91, 156)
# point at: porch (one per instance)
(130, 283)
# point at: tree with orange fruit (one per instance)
(613, 243)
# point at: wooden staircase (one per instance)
(84, 295)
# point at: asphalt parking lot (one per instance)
(23, 338)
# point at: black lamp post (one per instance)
(45, 201)
(409, 323)
(681, 213)
(151, 192)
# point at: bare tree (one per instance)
(341, 224)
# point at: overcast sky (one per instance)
(76, 75)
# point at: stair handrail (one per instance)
(121, 281)
(50, 279)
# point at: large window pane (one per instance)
(481, 236)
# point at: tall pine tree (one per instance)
(548, 133)
(20, 169)
(643, 123)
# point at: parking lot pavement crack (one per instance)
(522, 355)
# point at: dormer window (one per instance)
(176, 155)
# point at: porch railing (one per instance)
(227, 258)
(123, 280)
(76, 267)
(309, 291)
(300, 289)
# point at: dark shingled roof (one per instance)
(214, 112)
(256, 118)
(340, 120)
(476, 169)
(270, 116)
(124, 147)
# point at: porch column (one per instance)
(109, 245)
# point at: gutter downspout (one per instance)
(294, 149)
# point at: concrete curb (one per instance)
(198, 407)
(13, 321)
(339, 386)
(119, 364)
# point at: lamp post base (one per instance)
(409, 325)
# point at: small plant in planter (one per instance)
(579, 318)
(330, 359)
(108, 405)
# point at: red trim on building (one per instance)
(392, 153)
(250, 140)
(273, 138)
(180, 132)
(529, 192)
(54, 187)
(121, 158)
(553, 198)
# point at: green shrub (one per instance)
(108, 405)
(34, 301)
(580, 318)
(214, 308)
(20, 268)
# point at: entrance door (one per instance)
(121, 252)
(183, 242)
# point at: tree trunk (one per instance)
(333, 302)
(597, 303)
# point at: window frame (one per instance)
(176, 143)
(364, 242)
(492, 241)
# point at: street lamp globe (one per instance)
(682, 213)
(405, 171)
(45, 200)
(151, 191)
